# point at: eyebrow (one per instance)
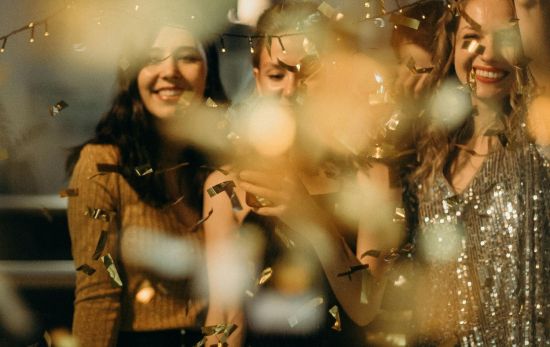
(475, 25)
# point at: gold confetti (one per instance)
(411, 65)
(399, 215)
(143, 170)
(371, 253)
(87, 269)
(473, 46)
(109, 264)
(327, 10)
(399, 19)
(334, 312)
(99, 214)
(229, 188)
(57, 108)
(296, 318)
(211, 103)
(69, 192)
(265, 276)
(201, 221)
(100, 244)
(145, 292)
(366, 282)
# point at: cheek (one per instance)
(144, 80)
(463, 65)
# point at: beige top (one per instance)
(101, 308)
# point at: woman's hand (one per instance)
(284, 194)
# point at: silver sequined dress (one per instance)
(484, 255)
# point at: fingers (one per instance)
(275, 196)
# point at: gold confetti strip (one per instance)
(4, 155)
(57, 108)
(327, 9)
(229, 188)
(284, 238)
(145, 292)
(143, 170)
(109, 264)
(371, 253)
(265, 276)
(69, 192)
(352, 270)
(335, 313)
(211, 103)
(473, 46)
(411, 65)
(399, 215)
(401, 20)
(100, 244)
(201, 221)
(87, 269)
(366, 283)
(99, 214)
(296, 318)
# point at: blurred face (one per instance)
(493, 74)
(273, 76)
(176, 73)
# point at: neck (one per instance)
(488, 114)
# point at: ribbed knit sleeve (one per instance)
(97, 303)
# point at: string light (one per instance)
(222, 43)
(281, 43)
(250, 44)
(3, 49)
(31, 25)
(46, 32)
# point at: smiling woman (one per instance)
(137, 198)
(482, 243)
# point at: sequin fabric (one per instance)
(484, 255)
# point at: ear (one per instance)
(256, 73)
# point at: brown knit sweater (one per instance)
(102, 309)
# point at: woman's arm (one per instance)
(225, 306)
(97, 302)
(360, 297)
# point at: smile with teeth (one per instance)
(488, 76)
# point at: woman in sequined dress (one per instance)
(484, 194)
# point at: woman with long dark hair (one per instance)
(483, 191)
(133, 190)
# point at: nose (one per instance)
(491, 52)
(169, 69)
(289, 88)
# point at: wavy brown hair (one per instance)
(437, 143)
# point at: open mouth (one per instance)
(169, 94)
(490, 75)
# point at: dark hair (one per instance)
(129, 126)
